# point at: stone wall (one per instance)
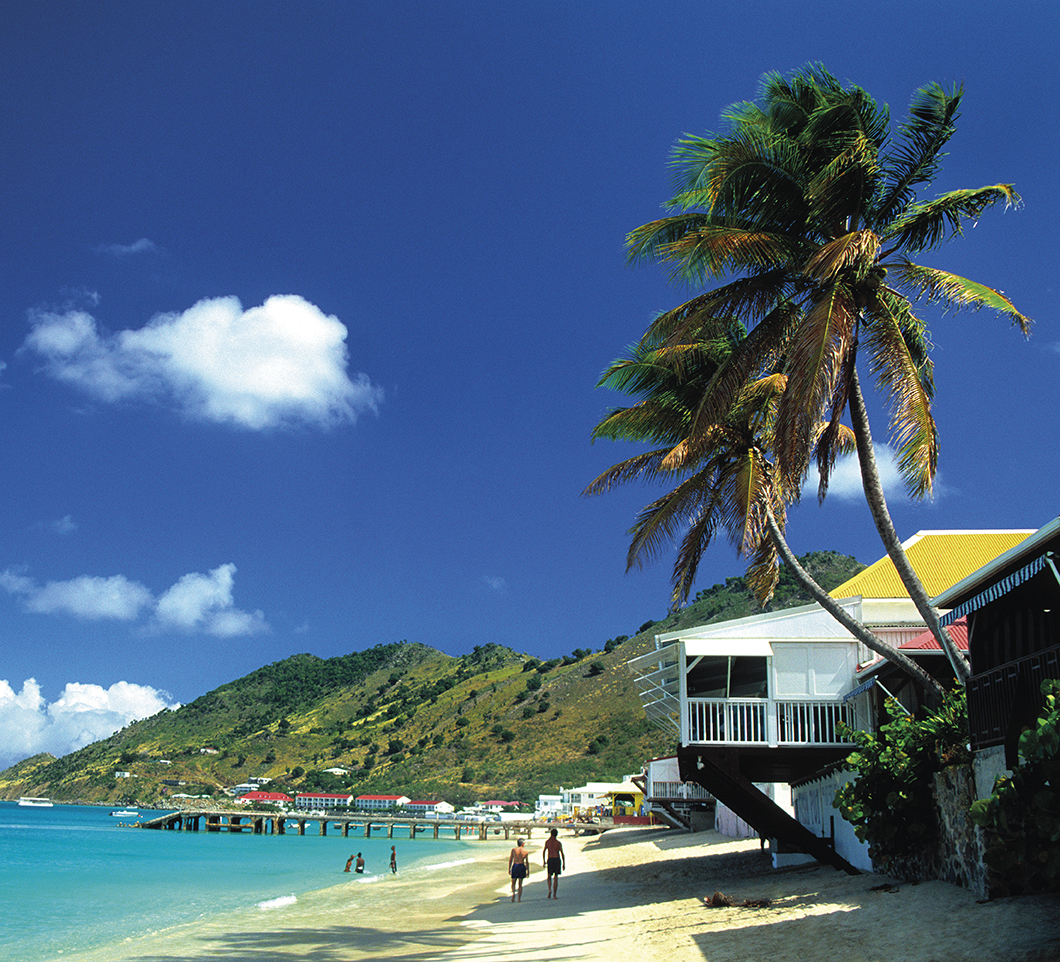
(958, 857)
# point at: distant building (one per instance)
(259, 780)
(312, 801)
(497, 805)
(548, 806)
(272, 798)
(123, 774)
(426, 808)
(209, 751)
(380, 803)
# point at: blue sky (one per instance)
(304, 305)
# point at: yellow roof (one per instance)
(940, 558)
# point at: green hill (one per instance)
(400, 718)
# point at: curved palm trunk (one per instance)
(870, 480)
(848, 621)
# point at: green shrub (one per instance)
(890, 803)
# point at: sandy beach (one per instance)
(628, 893)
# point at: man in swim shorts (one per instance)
(555, 860)
(359, 867)
(519, 867)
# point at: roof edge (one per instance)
(971, 584)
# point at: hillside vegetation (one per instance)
(401, 718)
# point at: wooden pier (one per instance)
(277, 823)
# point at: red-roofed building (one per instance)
(380, 803)
(273, 798)
(313, 801)
(496, 805)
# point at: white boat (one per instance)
(28, 801)
(125, 813)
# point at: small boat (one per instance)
(125, 813)
(28, 801)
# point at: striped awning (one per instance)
(860, 690)
(997, 589)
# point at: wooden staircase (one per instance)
(755, 807)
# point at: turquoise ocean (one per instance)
(74, 879)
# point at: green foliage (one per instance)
(890, 803)
(1022, 816)
(595, 668)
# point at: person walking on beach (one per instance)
(393, 860)
(555, 860)
(519, 867)
(359, 867)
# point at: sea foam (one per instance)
(277, 903)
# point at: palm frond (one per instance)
(714, 250)
(744, 301)
(857, 250)
(909, 387)
(663, 521)
(957, 291)
(643, 467)
(925, 226)
(818, 352)
(915, 159)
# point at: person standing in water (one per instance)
(393, 860)
(349, 862)
(555, 860)
(519, 867)
(359, 867)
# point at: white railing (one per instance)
(677, 790)
(762, 721)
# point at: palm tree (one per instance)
(729, 482)
(807, 212)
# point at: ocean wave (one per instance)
(277, 903)
(462, 861)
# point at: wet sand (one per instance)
(630, 893)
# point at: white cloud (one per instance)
(142, 246)
(61, 526)
(86, 596)
(496, 584)
(204, 602)
(844, 482)
(199, 603)
(281, 363)
(81, 715)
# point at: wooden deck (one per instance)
(366, 826)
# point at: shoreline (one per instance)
(625, 893)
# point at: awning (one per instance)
(860, 690)
(997, 589)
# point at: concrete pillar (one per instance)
(389, 829)
(323, 826)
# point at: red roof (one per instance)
(265, 797)
(926, 641)
(380, 798)
(321, 795)
(498, 802)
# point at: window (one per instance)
(734, 676)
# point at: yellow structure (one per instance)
(940, 558)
